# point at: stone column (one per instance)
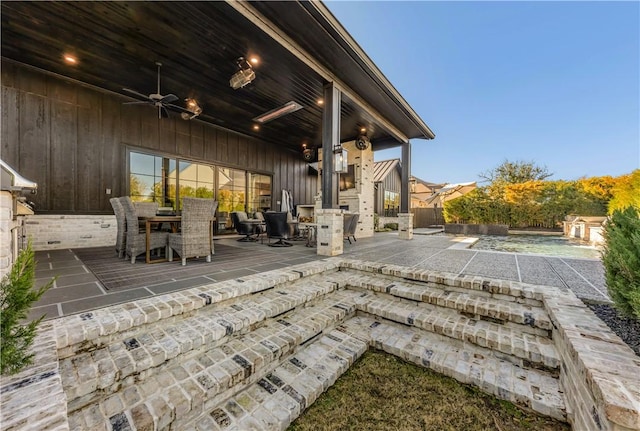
(329, 232)
(405, 226)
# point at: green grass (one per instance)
(383, 392)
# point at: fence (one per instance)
(426, 217)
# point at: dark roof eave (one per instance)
(370, 68)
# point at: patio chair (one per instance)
(146, 209)
(121, 223)
(136, 242)
(278, 228)
(195, 238)
(350, 224)
(243, 226)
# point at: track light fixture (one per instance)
(244, 75)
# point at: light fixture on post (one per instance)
(243, 76)
(193, 110)
(340, 159)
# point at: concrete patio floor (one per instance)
(77, 289)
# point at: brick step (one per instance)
(197, 380)
(78, 333)
(500, 289)
(533, 389)
(205, 328)
(473, 303)
(523, 349)
(277, 399)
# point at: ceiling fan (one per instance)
(164, 103)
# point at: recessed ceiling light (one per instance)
(320, 102)
(256, 127)
(363, 130)
(254, 60)
(70, 59)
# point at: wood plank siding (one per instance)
(386, 176)
(72, 140)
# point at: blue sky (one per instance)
(555, 83)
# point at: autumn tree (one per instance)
(626, 192)
(515, 172)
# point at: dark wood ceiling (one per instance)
(118, 43)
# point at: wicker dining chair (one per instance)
(136, 242)
(195, 238)
(121, 223)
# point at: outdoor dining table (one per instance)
(174, 222)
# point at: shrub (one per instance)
(621, 259)
(392, 226)
(17, 295)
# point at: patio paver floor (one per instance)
(77, 289)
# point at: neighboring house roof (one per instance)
(383, 168)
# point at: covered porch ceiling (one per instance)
(300, 47)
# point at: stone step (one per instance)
(78, 333)
(199, 380)
(277, 399)
(471, 302)
(165, 339)
(533, 389)
(500, 289)
(523, 349)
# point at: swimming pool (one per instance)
(549, 245)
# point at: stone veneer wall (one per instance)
(7, 224)
(55, 232)
(360, 199)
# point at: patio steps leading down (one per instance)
(253, 353)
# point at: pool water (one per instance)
(549, 245)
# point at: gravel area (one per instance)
(626, 328)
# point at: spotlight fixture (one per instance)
(308, 154)
(285, 109)
(362, 142)
(193, 110)
(243, 76)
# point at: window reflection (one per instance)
(166, 180)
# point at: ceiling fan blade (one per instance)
(163, 111)
(169, 98)
(134, 92)
(136, 103)
(176, 108)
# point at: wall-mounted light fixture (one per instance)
(193, 109)
(340, 159)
